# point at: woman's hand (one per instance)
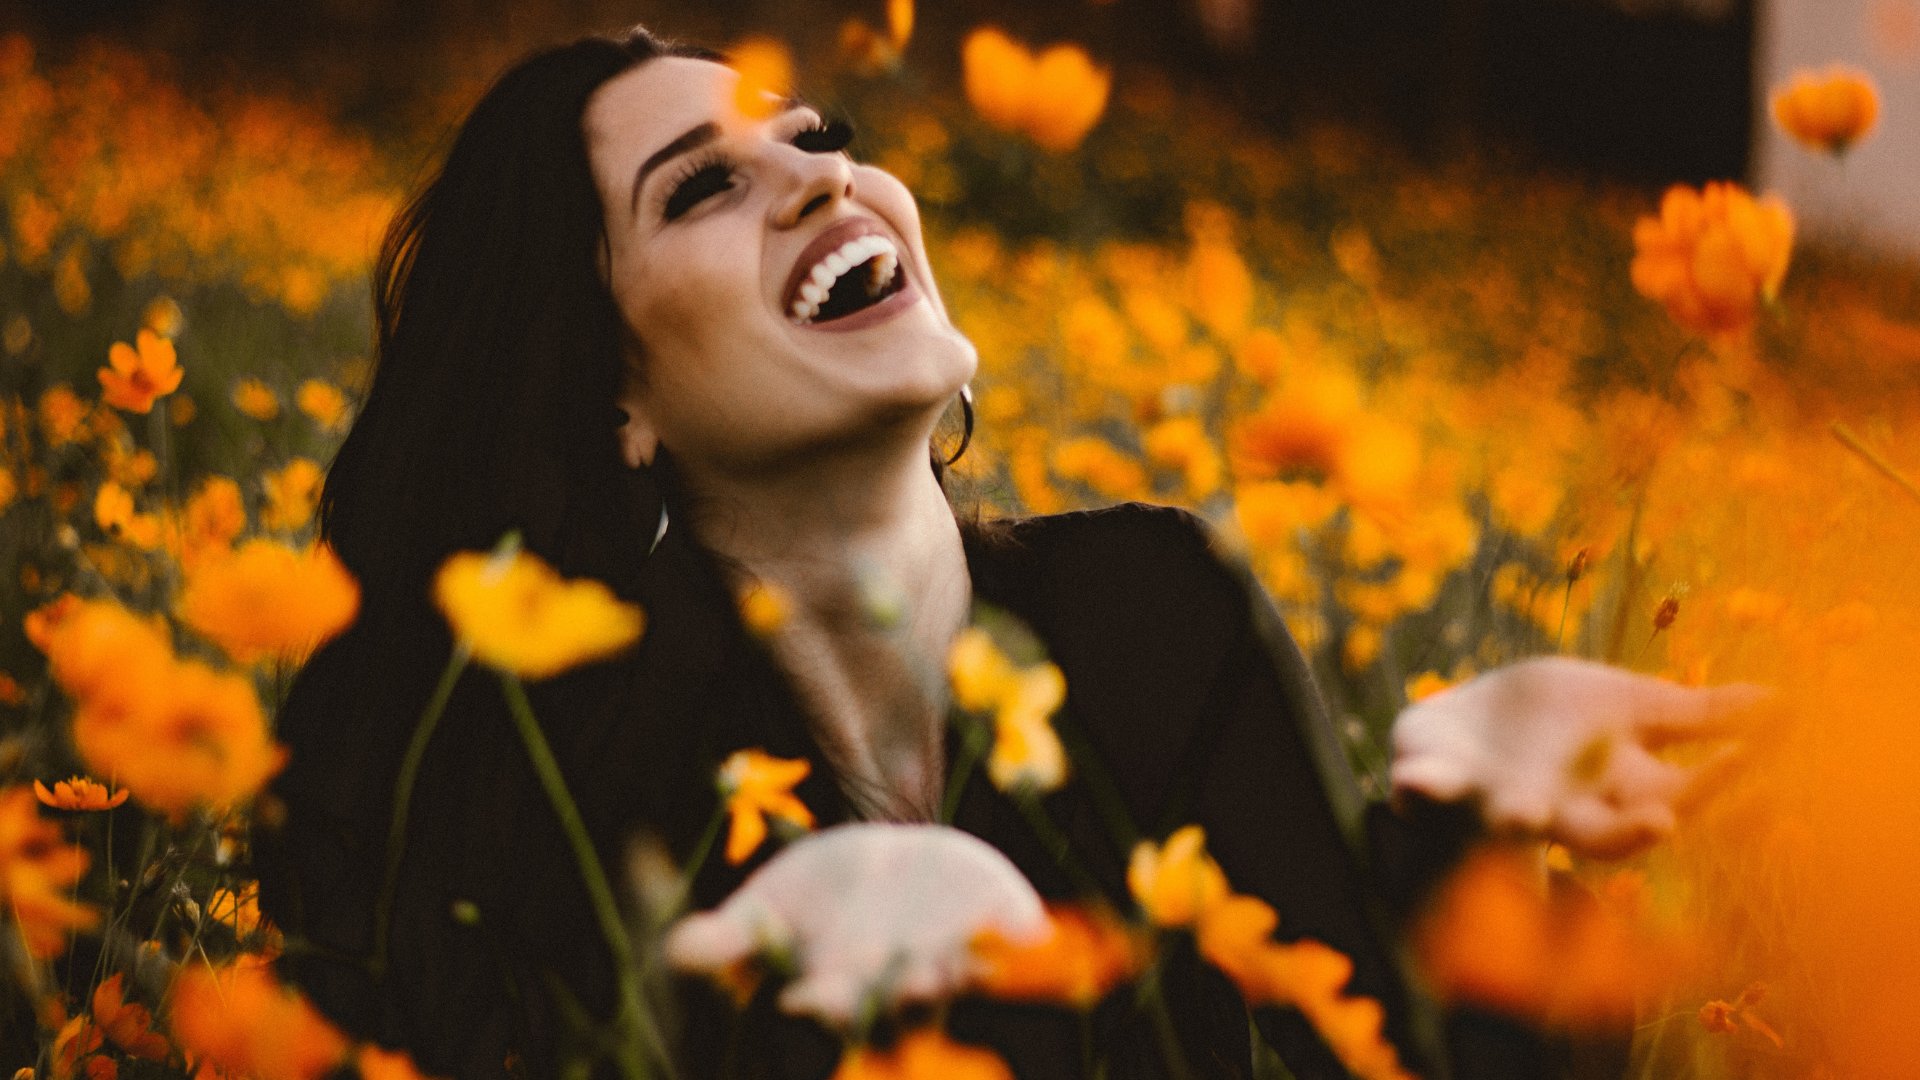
(1564, 749)
(867, 915)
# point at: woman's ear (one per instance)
(639, 440)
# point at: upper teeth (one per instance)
(819, 280)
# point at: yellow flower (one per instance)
(293, 493)
(322, 401)
(1828, 111)
(215, 515)
(256, 399)
(1026, 749)
(267, 598)
(980, 673)
(1182, 443)
(238, 909)
(79, 793)
(1712, 255)
(1177, 882)
(62, 415)
(521, 617)
(1054, 98)
(137, 376)
(756, 784)
(765, 608)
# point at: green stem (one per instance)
(1054, 840)
(973, 746)
(702, 849)
(634, 1018)
(403, 804)
(1155, 1002)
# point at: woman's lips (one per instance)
(825, 244)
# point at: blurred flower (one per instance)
(1236, 935)
(113, 512)
(766, 76)
(240, 1020)
(12, 694)
(215, 514)
(136, 377)
(1026, 753)
(1176, 882)
(192, 738)
(238, 908)
(256, 399)
(1181, 443)
(980, 673)
(129, 1026)
(163, 316)
(97, 648)
(1712, 255)
(322, 402)
(38, 868)
(1492, 937)
(1086, 952)
(923, 1054)
(1426, 684)
(79, 793)
(1054, 98)
(266, 598)
(1097, 463)
(521, 617)
(293, 492)
(377, 1064)
(756, 784)
(62, 415)
(764, 608)
(1828, 111)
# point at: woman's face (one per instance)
(779, 292)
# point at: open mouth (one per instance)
(851, 278)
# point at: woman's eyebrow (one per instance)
(693, 139)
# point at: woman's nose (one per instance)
(819, 180)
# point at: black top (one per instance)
(1181, 683)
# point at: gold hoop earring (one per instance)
(966, 429)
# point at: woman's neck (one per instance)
(867, 551)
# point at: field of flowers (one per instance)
(1452, 416)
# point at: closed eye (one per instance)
(700, 184)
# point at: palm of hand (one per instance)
(1567, 749)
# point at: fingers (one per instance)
(709, 941)
(1593, 827)
(1436, 777)
(1666, 713)
(1702, 781)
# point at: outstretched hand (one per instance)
(1565, 749)
(868, 915)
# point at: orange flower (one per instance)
(256, 399)
(756, 784)
(1493, 938)
(1054, 98)
(41, 623)
(377, 1064)
(1712, 255)
(1176, 882)
(37, 869)
(129, 1026)
(113, 512)
(1236, 936)
(238, 909)
(79, 793)
(266, 598)
(243, 1022)
(1086, 953)
(1829, 110)
(764, 608)
(214, 516)
(96, 648)
(11, 692)
(137, 377)
(322, 401)
(766, 76)
(292, 494)
(62, 415)
(925, 1054)
(520, 616)
(192, 737)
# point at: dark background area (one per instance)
(1648, 97)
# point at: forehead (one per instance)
(644, 108)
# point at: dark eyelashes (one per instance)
(707, 177)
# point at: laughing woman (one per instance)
(681, 349)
